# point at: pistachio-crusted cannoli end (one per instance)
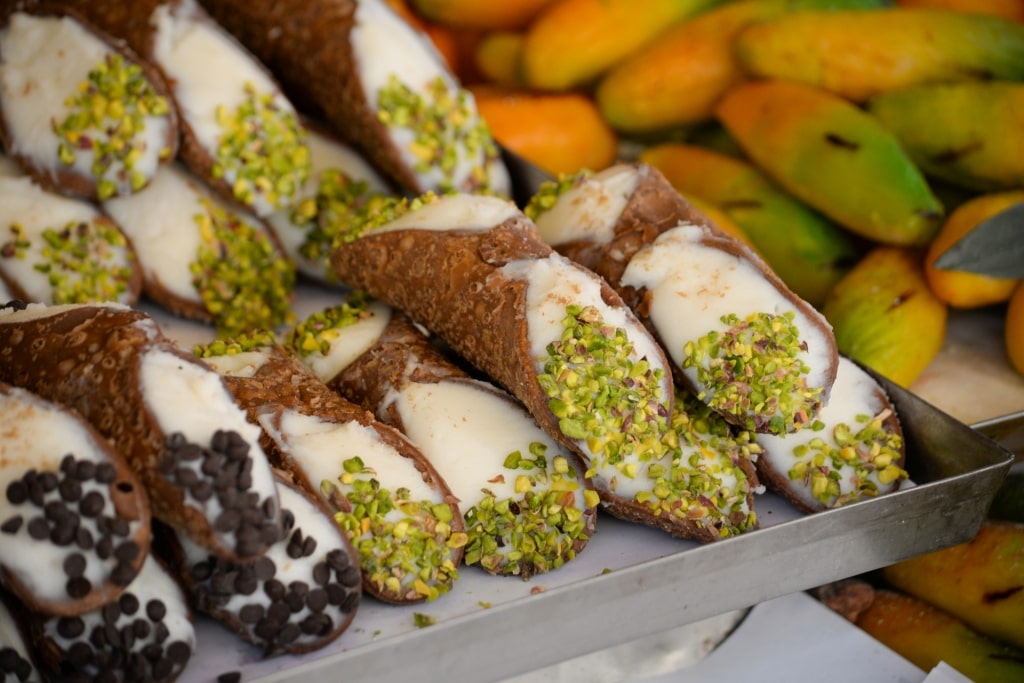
(409, 550)
(755, 372)
(316, 333)
(548, 193)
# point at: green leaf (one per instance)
(995, 247)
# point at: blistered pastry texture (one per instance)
(74, 519)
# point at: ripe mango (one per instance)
(965, 133)
(1007, 9)
(857, 55)
(573, 41)
(960, 288)
(885, 316)
(835, 157)
(560, 132)
(497, 57)
(721, 219)
(493, 14)
(677, 78)
(980, 582)
(1013, 334)
(806, 250)
(925, 635)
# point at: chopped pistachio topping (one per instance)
(242, 279)
(603, 396)
(755, 372)
(446, 129)
(107, 118)
(405, 547)
(550, 190)
(263, 151)
(85, 261)
(243, 343)
(421, 620)
(701, 480)
(536, 531)
(315, 333)
(866, 447)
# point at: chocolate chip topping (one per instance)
(223, 472)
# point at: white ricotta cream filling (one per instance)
(244, 364)
(351, 343)
(456, 212)
(591, 210)
(43, 60)
(692, 286)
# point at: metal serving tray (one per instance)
(632, 581)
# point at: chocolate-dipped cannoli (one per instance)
(74, 517)
(341, 184)
(298, 597)
(204, 259)
(472, 270)
(379, 83)
(58, 250)
(165, 411)
(395, 507)
(523, 496)
(79, 110)
(747, 345)
(852, 451)
(17, 664)
(239, 132)
(147, 634)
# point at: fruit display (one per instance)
(824, 129)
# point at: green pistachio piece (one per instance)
(253, 340)
(85, 261)
(755, 372)
(445, 128)
(244, 282)
(315, 333)
(263, 150)
(107, 117)
(550, 190)
(865, 446)
(405, 547)
(602, 395)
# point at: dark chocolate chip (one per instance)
(11, 525)
(79, 654)
(266, 629)
(129, 603)
(141, 628)
(67, 465)
(227, 521)
(279, 611)
(74, 564)
(17, 492)
(230, 677)
(92, 504)
(160, 632)
(274, 589)
(290, 632)
(350, 576)
(127, 551)
(123, 574)
(105, 548)
(162, 668)
(338, 560)
(156, 610)
(85, 470)
(246, 584)
(70, 490)
(202, 490)
(264, 568)
(316, 600)
(83, 538)
(106, 473)
(70, 627)
(49, 481)
(111, 612)
(251, 613)
(38, 528)
(351, 602)
(316, 624)
(179, 652)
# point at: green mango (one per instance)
(968, 134)
(806, 250)
(835, 157)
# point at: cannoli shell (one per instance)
(57, 179)
(320, 76)
(88, 358)
(451, 283)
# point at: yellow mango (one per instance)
(925, 636)
(721, 219)
(572, 42)
(980, 582)
(677, 78)
(492, 14)
(857, 55)
(497, 57)
(964, 289)
(884, 315)
(1007, 9)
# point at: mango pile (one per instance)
(850, 141)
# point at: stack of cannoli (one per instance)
(527, 507)
(379, 83)
(57, 249)
(239, 132)
(397, 510)
(79, 110)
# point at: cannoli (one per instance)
(397, 510)
(239, 132)
(748, 346)
(379, 83)
(527, 507)
(59, 250)
(472, 270)
(852, 451)
(202, 258)
(147, 634)
(17, 664)
(79, 110)
(300, 596)
(74, 517)
(166, 412)
(341, 183)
